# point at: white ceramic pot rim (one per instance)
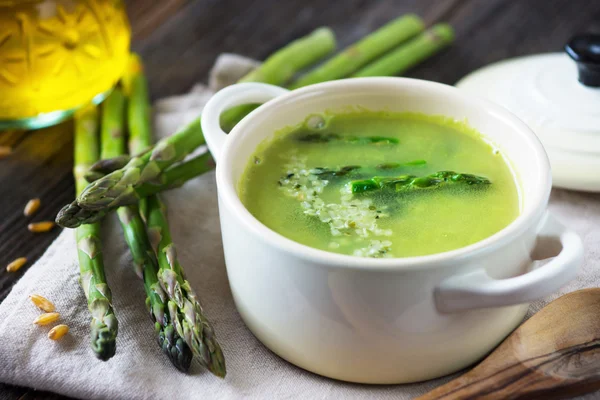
(230, 199)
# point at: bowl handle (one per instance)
(231, 96)
(478, 290)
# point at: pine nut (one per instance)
(58, 331)
(38, 227)
(16, 264)
(42, 303)
(31, 208)
(5, 151)
(47, 318)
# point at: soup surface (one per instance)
(380, 184)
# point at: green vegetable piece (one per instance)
(301, 53)
(425, 181)
(388, 166)
(331, 137)
(364, 186)
(381, 139)
(411, 53)
(326, 173)
(403, 181)
(398, 165)
(104, 325)
(416, 162)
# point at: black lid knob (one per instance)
(585, 50)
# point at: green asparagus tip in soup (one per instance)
(380, 184)
(333, 137)
(398, 165)
(405, 182)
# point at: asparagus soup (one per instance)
(380, 184)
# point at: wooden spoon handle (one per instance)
(561, 374)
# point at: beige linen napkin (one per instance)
(140, 370)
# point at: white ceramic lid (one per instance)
(544, 91)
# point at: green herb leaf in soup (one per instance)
(380, 184)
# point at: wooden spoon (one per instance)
(553, 355)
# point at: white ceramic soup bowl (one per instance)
(392, 320)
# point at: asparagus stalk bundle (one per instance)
(358, 56)
(113, 145)
(343, 64)
(104, 324)
(184, 309)
(406, 181)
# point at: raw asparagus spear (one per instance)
(329, 173)
(104, 324)
(411, 53)
(299, 54)
(112, 132)
(139, 119)
(398, 165)
(365, 50)
(184, 307)
(147, 267)
(406, 181)
(106, 166)
(113, 145)
(192, 324)
(72, 215)
(334, 137)
(167, 152)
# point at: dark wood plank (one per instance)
(180, 39)
(39, 167)
(146, 16)
(8, 392)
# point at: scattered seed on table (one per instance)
(38, 227)
(47, 318)
(42, 303)
(58, 331)
(16, 264)
(5, 151)
(31, 208)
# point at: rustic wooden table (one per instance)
(180, 39)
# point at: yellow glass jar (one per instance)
(56, 55)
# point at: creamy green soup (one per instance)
(380, 184)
